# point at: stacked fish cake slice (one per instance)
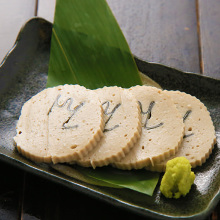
(66, 124)
(140, 127)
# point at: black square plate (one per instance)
(23, 73)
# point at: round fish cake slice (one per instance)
(162, 129)
(199, 138)
(122, 127)
(62, 124)
(75, 123)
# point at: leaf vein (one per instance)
(63, 51)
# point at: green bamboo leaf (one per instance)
(147, 81)
(76, 174)
(142, 181)
(88, 47)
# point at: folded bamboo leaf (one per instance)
(76, 174)
(147, 81)
(88, 47)
(142, 181)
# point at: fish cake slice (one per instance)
(75, 123)
(60, 124)
(162, 129)
(199, 138)
(122, 127)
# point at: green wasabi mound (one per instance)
(178, 178)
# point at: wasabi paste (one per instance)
(178, 178)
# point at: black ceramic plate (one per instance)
(23, 73)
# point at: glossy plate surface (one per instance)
(23, 73)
